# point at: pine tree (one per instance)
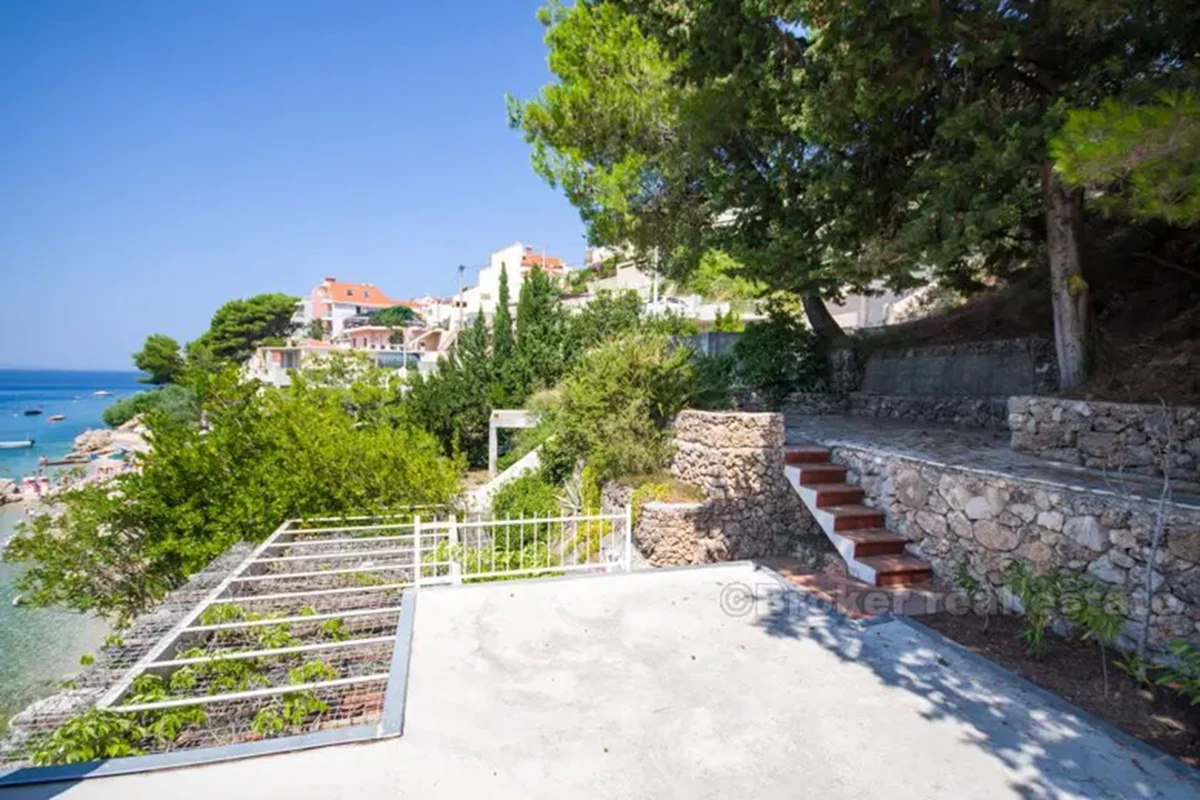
(538, 355)
(502, 346)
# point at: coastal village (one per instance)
(857, 453)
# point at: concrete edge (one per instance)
(1058, 703)
(390, 725)
(186, 758)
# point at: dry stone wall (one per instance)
(953, 516)
(1109, 436)
(750, 511)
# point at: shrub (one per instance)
(614, 407)
(528, 496)
(269, 455)
(178, 403)
(780, 355)
(715, 377)
(1039, 596)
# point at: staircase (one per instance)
(872, 553)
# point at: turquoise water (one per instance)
(66, 392)
(41, 647)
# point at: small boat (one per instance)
(102, 393)
(32, 412)
(15, 445)
(56, 417)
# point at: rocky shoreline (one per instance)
(92, 452)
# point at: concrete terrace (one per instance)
(700, 682)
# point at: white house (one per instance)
(517, 260)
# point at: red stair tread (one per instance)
(806, 454)
(853, 517)
(893, 569)
(872, 535)
(842, 494)
(821, 474)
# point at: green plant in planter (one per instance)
(1184, 675)
(1039, 596)
(1096, 611)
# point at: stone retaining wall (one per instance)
(750, 512)
(953, 516)
(1109, 436)
(978, 412)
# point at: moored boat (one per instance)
(19, 443)
(56, 417)
(32, 412)
(102, 393)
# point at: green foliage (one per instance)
(614, 408)
(503, 344)
(98, 734)
(316, 330)
(270, 454)
(395, 317)
(779, 356)
(1142, 159)
(662, 488)
(160, 358)
(715, 378)
(239, 326)
(834, 145)
(606, 316)
(728, 322)
(718, 276)
(454, 403)
(1039, 596)
(1097, 612)
(539, 353)
(1183, 675)
(179, 404)
(527, 496)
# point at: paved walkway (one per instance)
(710, 682)
(974, 449)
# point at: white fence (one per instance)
(333, 585)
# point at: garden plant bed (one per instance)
(1071, 669)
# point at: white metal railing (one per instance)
(419, 552)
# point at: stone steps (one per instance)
(872, 553)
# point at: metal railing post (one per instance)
(417, 551)
(629, 537)
(455, 566)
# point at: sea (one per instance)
(39, 648)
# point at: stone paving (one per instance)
(974, 449)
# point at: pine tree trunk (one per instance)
(1068, 289)
(822, 322)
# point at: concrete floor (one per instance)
(704, 682)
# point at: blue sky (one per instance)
(159, 158)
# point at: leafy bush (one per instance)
(1184, 674)
(1039, 596)
(715, 378)
(527, 496)
(614, 408)
(178, 403)
(780, 355)
(271, 454)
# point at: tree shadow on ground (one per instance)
(1051, 748)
